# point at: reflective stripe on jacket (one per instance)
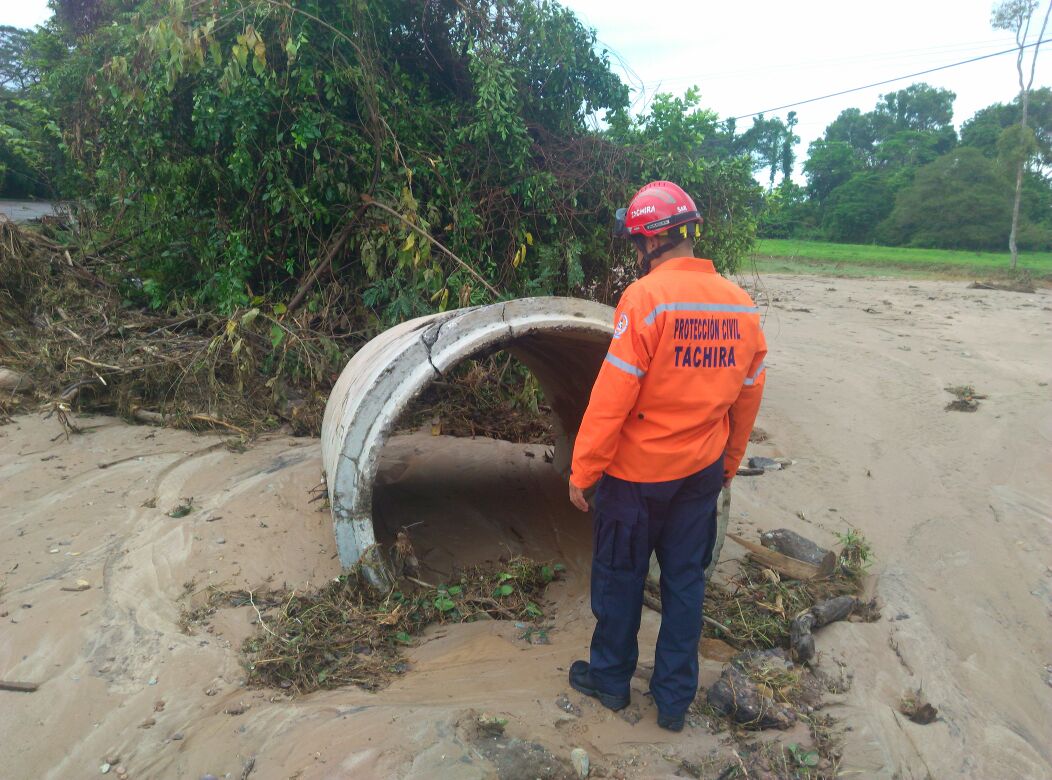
(681, 383)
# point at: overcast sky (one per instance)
(751, 56)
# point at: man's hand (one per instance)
(577, 498)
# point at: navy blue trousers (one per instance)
(677, 520)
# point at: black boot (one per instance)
(581, 681)
(671, 722)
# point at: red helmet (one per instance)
(657, 208)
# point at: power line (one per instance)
(903, 57)
(889, 81)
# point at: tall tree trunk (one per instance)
(1024, 99)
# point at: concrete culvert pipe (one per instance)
(562, 341)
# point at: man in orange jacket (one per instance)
(666, 427)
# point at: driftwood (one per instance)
(22, 687)
(801, 640)
(748, 472)
(790, 543)
(783, 564)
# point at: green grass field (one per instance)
(819, 257)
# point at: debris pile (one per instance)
(967, 400)
(757, 606)
(492, 395)
(70, 342)
(349, 633)
(915, 706)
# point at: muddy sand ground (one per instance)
(958, 507)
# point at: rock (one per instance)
(835, 609)
(794, 545)
(579, 760)
(735, 696)
(209, 777)
(631, 715)
(917, 708)
(14, 382)
(105, 769)
(563, 703)
(767, 464)
(177, 736)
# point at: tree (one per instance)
(960, 201)
(22, 122)
(855, 129)
(987, 126)
(829, 164)
(789, 142)
(919, 107)
(242, 151)
(16, 73)
(1015, 16)
(856, 207)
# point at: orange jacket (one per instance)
(682, 382)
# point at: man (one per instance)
(666, 427)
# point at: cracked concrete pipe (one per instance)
(561, 340)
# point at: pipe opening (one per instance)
(560, 343)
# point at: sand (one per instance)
(958, 507)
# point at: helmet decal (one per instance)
(656, 208)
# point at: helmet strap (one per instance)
(649, 257)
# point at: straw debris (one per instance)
(347, 633)
(66, 329)
(756, 607)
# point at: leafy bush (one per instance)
(252, 149)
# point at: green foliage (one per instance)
(830, 163)
(823, 257)
(856, 207)
(24, 127)
(237, 152)
(668, 142)
(960, 201)
(984, 130)
(787, 211)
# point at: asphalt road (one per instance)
(25, 210)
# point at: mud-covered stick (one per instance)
(23, 687)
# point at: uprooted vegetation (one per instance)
(493, 395)
(67, 329)
(757, 605)
(765, 686)
(76, 346)
(350, 633)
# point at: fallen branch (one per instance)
(205, 418)
(93, 364)
(146, 416)
(21, 687)
(783, 564)
(333, 249)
